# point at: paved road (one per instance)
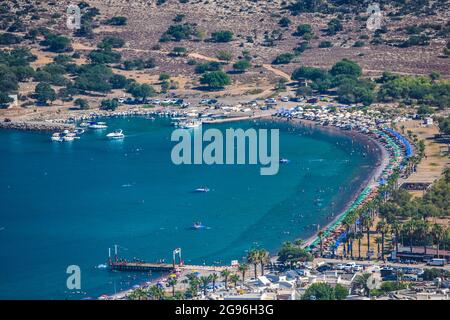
(378, 263)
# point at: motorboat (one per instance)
(190, 124)
(68, 138)
(202, 190)
(56, 137)
(198, 226)
(118, 134)
(284, 161)
(98, 125)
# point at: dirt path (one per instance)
(277, 71)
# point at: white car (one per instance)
(374, 268)
(349, 266)
(358, 267)
(285, 99)
(340, 266)
(156, 101)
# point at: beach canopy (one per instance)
(403, 141)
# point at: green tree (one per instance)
(303, 29)
(243, 268)
(81, 103)
(109, 105)
(241, 65)
(222, 36)
(334, 26)
(225, 275)
(360, 282)
(319, 291)
(284, 22)
(235, 279)
(346, 67)
(215, 79)
(117, 21)
(214, 278)
(283, 58)
(56, 43)
(44, 92)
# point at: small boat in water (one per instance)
(97, 125)
(284, 161)
(118, 134)
(68, 138)
(56, 137)
(198, 226)
(203, 190)
(192, 124)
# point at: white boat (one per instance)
(118, 134)
(190, 124)
(56, 137)
(84, 124)
(68, 138)
(203, 189)
(98, 125)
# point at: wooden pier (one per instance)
(138, 266)
(162, 267)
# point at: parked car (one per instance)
(358, 267)
(323, 268)
(437, 262)
(349, 266)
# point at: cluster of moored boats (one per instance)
(67, 135)
(71, 135)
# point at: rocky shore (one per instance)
(36, 126)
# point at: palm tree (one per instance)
(253, 257)
(234, 278)
(367, 223)
(396, 227)
(346, 224)
(383, 228)
(214, 278)
(138, 294)
(243, 267)
(378, 241)
(409, 228)
(361, 282)
(263, 257)
(351, 238)
(359, 236)
(320, 235)
(205, 280)
(423, 231)
(156, 292)
(438, 234)
(225, 274)
(172, 282)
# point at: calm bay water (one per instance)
(65, 203)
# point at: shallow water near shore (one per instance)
(67, 203)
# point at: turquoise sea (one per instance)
(66, 203)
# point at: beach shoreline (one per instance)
(370, 182)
